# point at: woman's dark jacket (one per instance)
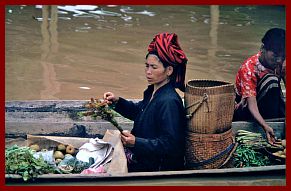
(159, 127)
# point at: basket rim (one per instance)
(228, 84)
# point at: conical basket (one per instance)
(209, 105)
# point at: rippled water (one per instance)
(78, 52)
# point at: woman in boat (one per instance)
(156, 142)
(258, 90)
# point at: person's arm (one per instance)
(128, 109)
(253, 108)
(171, 133)
(124, 107)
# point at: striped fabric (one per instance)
(265, 84)
(167, 48)
(269, 97)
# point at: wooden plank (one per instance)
(58, 117)
(80, 129)
(90, 129)
(272, 175)
(44, 105)
(169, 181)
(247, 170)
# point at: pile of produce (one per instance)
(248, 138)
(20, 160)
(277, 154)
(29, 162)
(253, 150)
(65, 159)
(247, 156)
(61, 151)
(97, 108)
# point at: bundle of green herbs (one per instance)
(247, 156)
(97, 108)
(20, 160)
(250, 151)
(256, 140)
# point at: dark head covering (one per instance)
(167, 48)
(274, 40)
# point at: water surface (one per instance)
(78, 52)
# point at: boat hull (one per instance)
(59, 118)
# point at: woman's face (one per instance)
(155, 72)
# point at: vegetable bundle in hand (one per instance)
(98, 108)
(255, 140)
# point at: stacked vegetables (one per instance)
(20, 160)
(250, 151)
(29, 162)
(282, 151)
(62, 150)
(66, 161)
(247, 153)
(248, 138)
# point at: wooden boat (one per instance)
(59, 118)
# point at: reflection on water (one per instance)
(77, 52)
(49, 48)
(214, 17)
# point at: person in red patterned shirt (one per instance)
(258, 91)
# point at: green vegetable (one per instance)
(246, 156)
(98, 108)
(20, 160)
(255, 140)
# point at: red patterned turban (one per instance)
(167, 48)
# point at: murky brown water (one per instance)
(76, 52)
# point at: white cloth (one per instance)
(98, 149)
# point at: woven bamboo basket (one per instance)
(209, 105)
(209, 151)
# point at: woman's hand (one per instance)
(253, 108)
(110, 98)
(269, 134)
(127, 139)
(283, 72)
(284, 68)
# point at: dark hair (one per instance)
(274, 40)
(165, 64)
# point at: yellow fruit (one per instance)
(61, 147)
(35, 147)
(58, 161)
(58, 155)
(70, 149)
(284, 143)
(280, 154)
(276, 154)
